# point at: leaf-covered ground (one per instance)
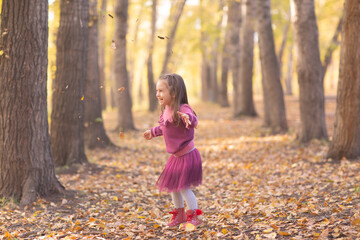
(255, 186)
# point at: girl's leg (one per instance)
(177, 200)
(190, 198)
(193, 213)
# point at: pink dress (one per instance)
(183, 168)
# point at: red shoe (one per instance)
(178, 217)
(193, 217)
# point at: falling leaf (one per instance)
(160, 37)
(98, 138)
(1, 52)
(113, 45)
(121, 89)
(98, 120)
(82, 98)
(110, 15)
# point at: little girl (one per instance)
(183, 168)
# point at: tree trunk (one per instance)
(346, 139)
(124, 103)
(274, 98)
(235, 52)
(214, 86)
(26, 164)
(282, 48)
(245, 88)
(329, 52)
(288, 80)
(67, 117)
(225, 58)
(94, 135)
(134, 47)
(205, 68)
(170, 41)
(102, 41)
(308, 66)
(150, 74)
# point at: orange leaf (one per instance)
(284, 233)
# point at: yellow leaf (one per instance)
(92, 219)
(1, 52)
(356, 221)
(118, 175)
(7, 235)
(82, 98)
(140, 217)
(115, 198)
(268, 230)
(190, 227)
(224, 231)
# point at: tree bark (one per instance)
(346, 139)
(26, 163)
(235, 52)
(102, 41)
(274, 97)
(308, 66)
(282, 48)
(170, 41)
(225, 58)
(288, 79)
(150, 74)
(124, 103)
(245, 103)
(205, 67)
(332, 47)
(67, 117)
(94, 135)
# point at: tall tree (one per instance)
(346, 139)
(26, 164)
(245, 101)
(331, 48)
(175, 21)
(95, 135)
(273, 94)
(205, 67)
(124, 103)
(102, 40)
(235, 51)
(150, 74)
(67, 117)
(308, 66)
(214, 91)
(225, 57)
(288, 79)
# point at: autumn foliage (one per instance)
(255, 186)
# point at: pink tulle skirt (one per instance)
(181, 172)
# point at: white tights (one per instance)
(188, 195)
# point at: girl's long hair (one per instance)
(178, 91)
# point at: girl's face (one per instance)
(163, 93)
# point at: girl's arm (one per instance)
(156, 131)
(187, 116)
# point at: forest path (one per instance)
(254, 186)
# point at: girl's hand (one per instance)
(147, 135)
(185, 117)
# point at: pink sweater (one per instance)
(178, 139)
